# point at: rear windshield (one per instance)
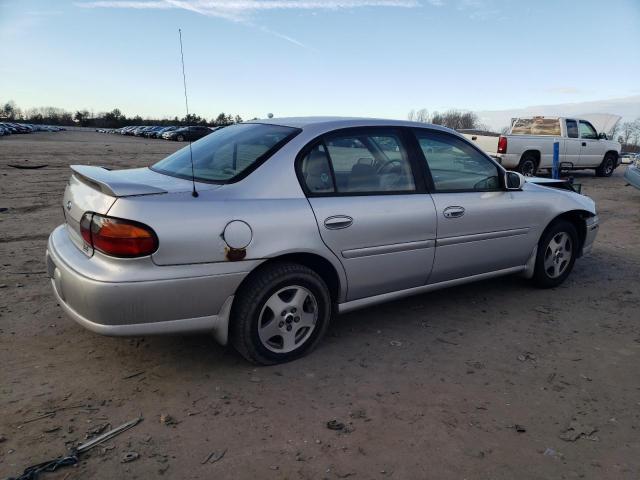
(536, 126)
(227, 153)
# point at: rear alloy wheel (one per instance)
(180, 138)
(556, 255)
(528, 165)
(607, 166)
(280, 314)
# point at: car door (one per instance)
(372, 209)
(481, 226)
(572, 143)
(592, 149)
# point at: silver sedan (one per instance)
(261, 232)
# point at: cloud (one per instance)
(239, 10)
(627, 107)
(564, 90)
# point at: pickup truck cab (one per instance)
(528, 147)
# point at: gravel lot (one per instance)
(428, 387)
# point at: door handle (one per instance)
(453, 212)
(337, 222)
(584, 144)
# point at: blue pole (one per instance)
(555, 171)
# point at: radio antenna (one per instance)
(194, 193)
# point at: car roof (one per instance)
(332, 123)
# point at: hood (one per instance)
(603, 122)
(580, 201)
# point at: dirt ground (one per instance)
(494, 380)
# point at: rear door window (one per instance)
(364, 161)
(572, 129)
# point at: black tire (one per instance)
(543, 276)
(180, 138)
(607, 166)
(251, 301)
(528, 165)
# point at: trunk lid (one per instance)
(96, 189)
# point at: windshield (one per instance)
(227, 153)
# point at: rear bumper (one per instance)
(112, 300)
(508, 160)
(592, 225)
(632, 175)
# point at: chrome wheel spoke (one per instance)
(276, 304)
(548, 262)
(307, 319)
(298, 298)
(288, 341)
(270, 330)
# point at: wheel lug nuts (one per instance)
(293, 310)
(281, 324)
(297, 319)
(289, 328)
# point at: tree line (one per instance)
(455, 119)
(9, 111)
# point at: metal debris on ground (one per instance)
(32, 472)
(27, 167)
(520, 428)
(576, 430)
(339, 426)
(129, 457)
(527, 356)
(214, 457)
(167, 419)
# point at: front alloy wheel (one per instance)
(557, 251)
(558, 255)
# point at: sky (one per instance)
(374, 58)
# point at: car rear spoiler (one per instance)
(109, 183)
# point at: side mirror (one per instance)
(514, 181)
(602, 136)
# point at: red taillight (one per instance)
(85, 228)
(118, 237)
(502, 145)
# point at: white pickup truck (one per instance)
(528, 146)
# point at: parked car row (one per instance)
(8, 128)
(177, 133)
(629, 157)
